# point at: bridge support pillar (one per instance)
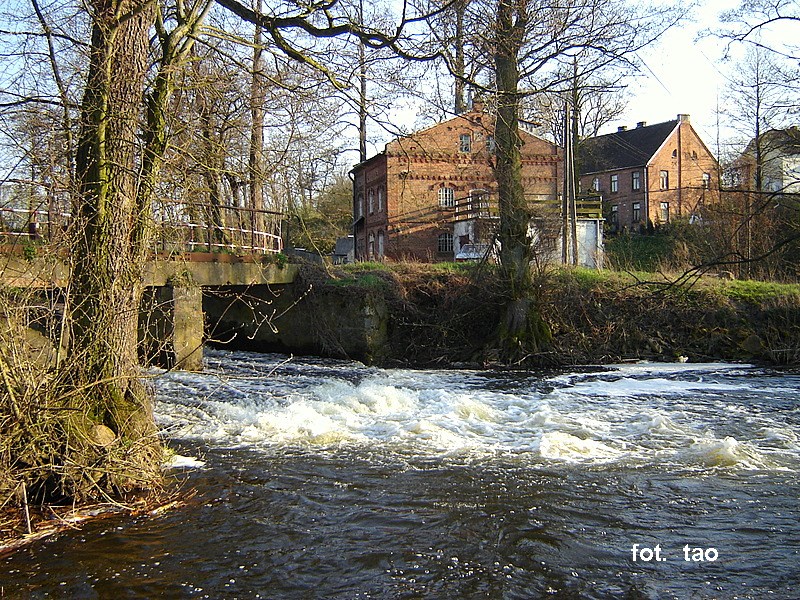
(173, 330)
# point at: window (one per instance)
(614, 218)
(381, 244)
(663, 212)
(664, 179)
(706, 181)
(614, 184)
(694, 154)
(445, 242)
(675, 153)
(490, 144)
(596, 184)
(465, 142)
(636, 212)
(380, 199)
(360, 206)
(371, 247)
(636, 180)
(447, 197)
(371, 201)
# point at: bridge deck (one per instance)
(203, 269)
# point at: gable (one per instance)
(443, 139)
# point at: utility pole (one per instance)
(569, 218)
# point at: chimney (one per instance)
(622, 128)
(641, 124)
(683, 117)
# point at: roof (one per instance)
(623, 149)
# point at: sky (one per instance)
(683, 74)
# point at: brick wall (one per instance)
(429, 176)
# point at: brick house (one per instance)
(650, 174)
(408, 198)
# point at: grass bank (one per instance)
(447, 313)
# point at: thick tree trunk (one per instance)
(523, 331)
(101, 379)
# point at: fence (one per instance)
(180, 227)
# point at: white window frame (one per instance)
(465, 142)
(636, 211)
(444, 242)
(447, 197)
(614, 184)
(636, 181)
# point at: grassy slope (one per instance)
(447, 313)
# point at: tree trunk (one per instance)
(256, 158)
(101, 379)
(523, 330)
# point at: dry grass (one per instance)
(53, 447)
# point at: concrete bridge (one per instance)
(172, 321)
(240, 248)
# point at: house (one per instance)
(778, 152)
(431, 193)
(649, 175)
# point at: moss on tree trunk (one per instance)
(100, 381)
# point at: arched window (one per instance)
(445, 242)
(381, 244)
(371, 201)
(371, 247)
(447, 197)
(380, 199)
(359, 206)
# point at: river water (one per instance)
(328, 479)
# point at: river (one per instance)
(329, 479)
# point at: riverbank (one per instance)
(446, 314)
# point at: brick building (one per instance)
(407, 198)
(650, 174)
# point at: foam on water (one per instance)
(633, 414)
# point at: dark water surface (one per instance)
(331, 480)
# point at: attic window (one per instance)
(664, 179)
(465, 142)
(706, 181)
(675, 153)
(694, 154)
